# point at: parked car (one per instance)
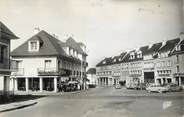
(117, 86)
(67, 87)
(157, 88)
(132, 86)
(173, 87)
(141, 86)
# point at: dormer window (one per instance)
(104, 62)
(139, 54)
(33, 46)
(132, 56)
(178, 48)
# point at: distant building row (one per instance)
(157, 63)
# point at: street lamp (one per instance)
(81, 72)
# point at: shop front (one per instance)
(179, 79)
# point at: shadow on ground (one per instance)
(18, 98)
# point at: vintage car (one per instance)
(117, 86)
(157, 88)
(132, 86)
(173, 87)
(141, 86)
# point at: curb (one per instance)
(52, 93)
(18, 106)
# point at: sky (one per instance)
(107, 27)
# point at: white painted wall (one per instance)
(31, 65)
(1, 83)
(92, 78)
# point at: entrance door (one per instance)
(177, 81)
(149, 77)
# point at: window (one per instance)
(178, 48)
(139, 54)
(2, 54)
(177, 58)
(47, 64)
(132, 56)
(177, 69)
(104, 62)
(33, 46)
(19, 64)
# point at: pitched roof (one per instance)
(51, 46)
(181, 51)
(116, 59)
(5, 32)
(91, 71)
(170, 44)
(81, 43)
(154, 48)
(104, 62)
(144, 49)
(122, 55)
(73, 44)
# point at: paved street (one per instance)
(106, 102)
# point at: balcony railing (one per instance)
(53, 72)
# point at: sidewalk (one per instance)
(23, 104)
(16, 105)
(47, 93)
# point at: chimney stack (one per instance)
(56, 36)
(181, 36)
(36, 30)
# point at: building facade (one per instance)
(91, 76)
(156, 63)
(44, 62)
(5, 71)
(178, 60)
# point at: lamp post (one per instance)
(81, 72)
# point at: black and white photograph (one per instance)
(91, 58)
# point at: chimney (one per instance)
(65, 37)
(150, 45)
(54, 35)
(181, 36)
(163, 43)
(36, 30)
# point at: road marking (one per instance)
(166, 104)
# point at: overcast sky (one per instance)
(107, 27)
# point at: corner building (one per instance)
(43, 62)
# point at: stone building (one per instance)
(156, 63)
